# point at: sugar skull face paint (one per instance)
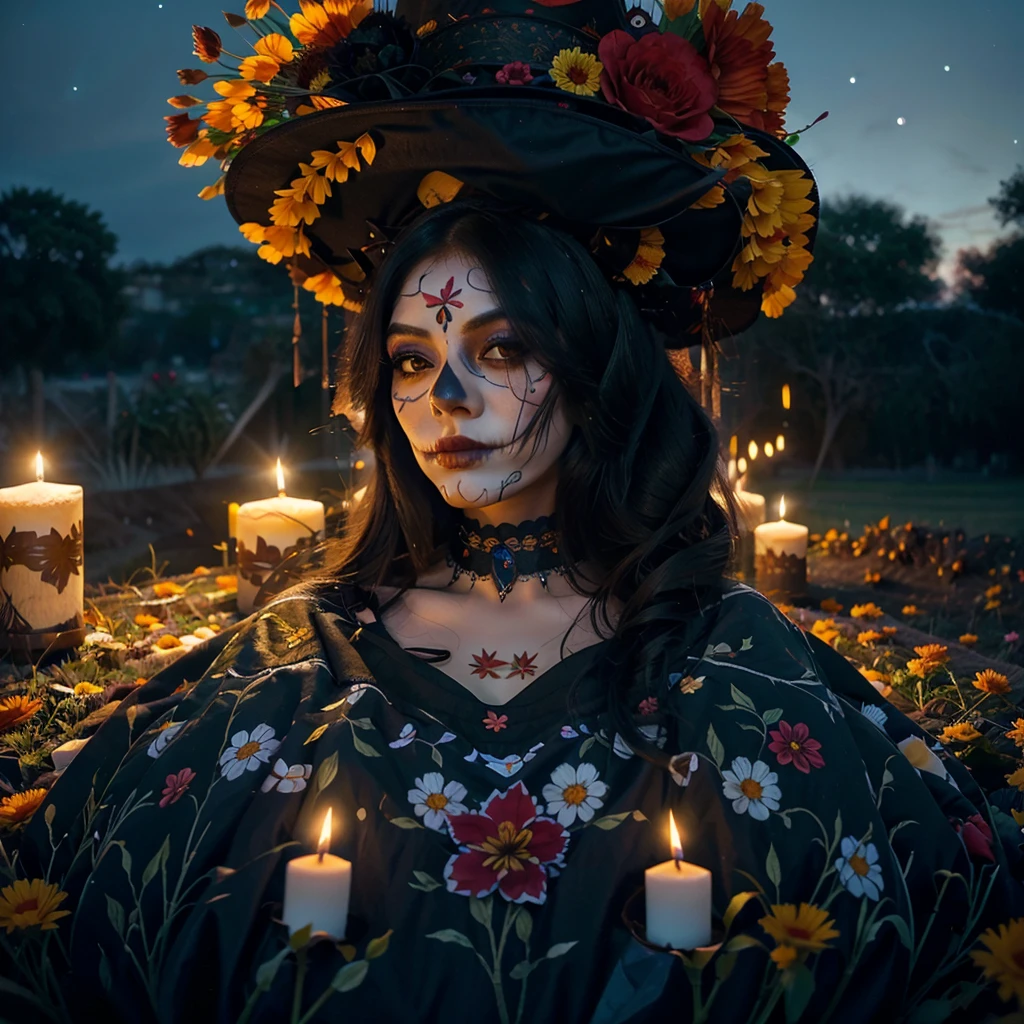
(465, 389)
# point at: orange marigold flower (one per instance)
(910, 610)
(1016, 779)
(328, 23)
(227, 582)
(197, 153)
(831, 605)
(990, 681)
(1003, 959)
(276, 47)
(866, 611)
(206, 44)
(167, 642)
(869, 636)
(16, 710)
(315, 185)
(181, 129)
(20, 806)
(963, 732)
(650, 253)
(192, 76)
(142, 619)
(290, 210)
(889, 631)
(777, 86)
(168, 588)
(259, 67)
(256, 9)
(825, 630)
(939, 653)
(1017, 732)
(327, 289)
(969, 639)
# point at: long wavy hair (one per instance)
(643, 459)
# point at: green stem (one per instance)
(300, 981)
(315, 1008)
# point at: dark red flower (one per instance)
(793, 745)
(516, 73)
(176, 785)
(192, 76)
(660, 77)
(182, 129)
(486, 664)
(505, 846)
(977, 836)
(648, 706)
(523, 665)
(206, 44)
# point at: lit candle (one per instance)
(267, 532)
(780, 556)
(316, 889)
(41, 565)
(678, 900)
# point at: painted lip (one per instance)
(458, 443)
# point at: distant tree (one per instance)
(994, 278)
(59, 296)
(870, 262)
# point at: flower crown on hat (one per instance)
(700, 65)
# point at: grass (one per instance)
(978, 505)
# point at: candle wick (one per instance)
(281, 494)
(319, 856)
(676, 860)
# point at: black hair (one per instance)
(643, 458)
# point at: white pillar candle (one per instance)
(267, 532)
(678, 896)
(781, 537)
(316, 889)
(41, 577)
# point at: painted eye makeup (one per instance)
(503, 348)
(409, 364)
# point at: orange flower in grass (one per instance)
(889, 631)
(15, 711)
(831, 605)
(866, 611)
(206, 44)
(167, 588)
(1003, 959)
(31, 904)
(1017, 732)
(963, 732)
(869, 636)
(969, 639)
(20, 807)
(328, 23)
(990, 681)
(939, 653)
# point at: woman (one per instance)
(523, 655)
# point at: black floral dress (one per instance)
(494, 849)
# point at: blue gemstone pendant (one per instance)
(503, 570)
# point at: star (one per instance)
(901, 120)
(946, 67)
(853, 81)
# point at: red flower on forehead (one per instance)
(505, 846)
(444, 300)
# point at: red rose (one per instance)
(660, 77)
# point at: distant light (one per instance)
(946, 68)
(769, 449)
(741, 465)
(901, 120)
(752, 450)
(74, 88)
(853, 81)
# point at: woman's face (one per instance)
(465, 390)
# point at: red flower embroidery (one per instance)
(648, 706)
(505, 846)
(793, 745)
(486, 665)
(176, 785)
(977, 836)
(522, 665)
(492, 721)
(444, 300)
(516, 73)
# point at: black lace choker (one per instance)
(506, 553)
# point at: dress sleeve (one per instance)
(855, 865)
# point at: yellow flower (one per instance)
(576, 72)
(783, 956)
(281, 243)
(690, 685)
(776, 300)
(256, 9)
(1003, 961)
(715, 196)
(938, 653)
(235, 89)
(28, 904)
(831, 605)
(276, 47)
(214, 190)
(21, 806)
(326, 288)
(872, 675)
(1016, 779)
(167, 588)
(733, 154)
(866, 611)
(16, 710)
(227, 582)
(84, 689)
(889, 631)
(195, 154)
(650, 252)
(825, 630)
(182, 102)
(969, 639)
(167, 642)
(991, 681)
(783, 607)
(994, 591)
(992, 605)
(869, 636)
(328, 23)
(146, 620)
(290, 210)
(807, 928)
(1017, 732)
(963, 732)
(317, 186)
(426, 28)
(259, 67)
(910, 610)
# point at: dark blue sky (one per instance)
(104, 144)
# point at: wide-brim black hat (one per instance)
(596, 170)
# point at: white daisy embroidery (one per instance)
(859, 869)
(156, 748)
(433, 801)
(285, 779)
(751, 788)
(248, 751)
(574, 793)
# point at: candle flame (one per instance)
(280, 480)
(732, 469)
(39, 466)
(785, 396)
(769, 451)
(673, 838)
(752, 450)
(741, 465)
(325, 835)
(782, 508)
(734, 445)
(780, 443)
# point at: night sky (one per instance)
(87, 85)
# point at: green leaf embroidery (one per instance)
(715, 748)
(772, 866)
(361, 723)
(639, 816)
(587, 744)
(406, 823)
(736, 904)
(612, 820)
(451, 935)
(427, 883)
(378, 946)
(326, 772)
(741, 942)
(159, 859)
(266, 971)
(363, 747)
(130, 714)
(798, 983)
(481, 910)
(521, 970)
(724, 965)
(748, 727)
(748, 643)
(435, 756)
(772, 715)
(524, 926)
(50, 814)
(741, 698)
(560, 949)
(115, 915)
(350, 976)
(336, 704)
